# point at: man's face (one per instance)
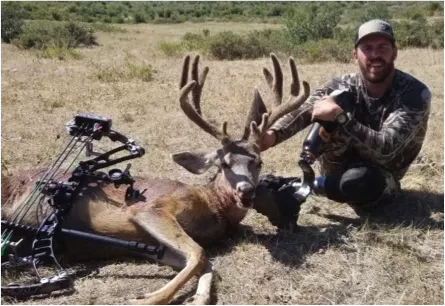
(375, 55)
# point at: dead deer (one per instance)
(179, 216)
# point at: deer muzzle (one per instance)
(246, 193)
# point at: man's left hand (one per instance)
(325, 109)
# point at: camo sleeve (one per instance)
(294, 122)
(399, 132)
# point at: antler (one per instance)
(195, 86)
(276, 84)
(278, 109)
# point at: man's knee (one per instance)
(363, 184)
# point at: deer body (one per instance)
(204, 212)
(179, 216)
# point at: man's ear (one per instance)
(196, 162)
(396, 51)
(354, 54)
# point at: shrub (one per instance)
(436, 31)
(433, 7)
(324, 50)
(345, 35)
(227, 45)
(254, 44)
(44, 34)
(170, 48)
(60, 53)
(375, 10)
(412, 34)
(131, 71)
(312, 22)
(12, 21)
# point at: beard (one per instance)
(376, 75)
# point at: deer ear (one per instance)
(196, 162)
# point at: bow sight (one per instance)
(60, 195)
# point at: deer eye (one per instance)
(259, 164)
(225, 165)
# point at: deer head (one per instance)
(239, 160)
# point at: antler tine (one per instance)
(196, 93)
(195, 86)
(295, 101)
(256, 110)
(275, 83)
(185, 72)
(257, 132)
(295, 85)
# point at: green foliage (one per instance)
(433, 8)
(45, 34)
(412, 34)
(105, 27)
(130, 71)
(312, 22)
(377, 10)
(227, 45)
(324, 50)
(61, 53)
(437, 34)
(255, 44)
(12, 21)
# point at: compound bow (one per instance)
(60, 196)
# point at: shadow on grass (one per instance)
(419, 209)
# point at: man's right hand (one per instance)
(269, 140)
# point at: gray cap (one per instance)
(375, 26)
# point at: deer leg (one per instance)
(177, 262)
(167, 230)
(202, 296)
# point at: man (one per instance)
(381, 115)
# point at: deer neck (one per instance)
(228, 204)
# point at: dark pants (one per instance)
(361, 186)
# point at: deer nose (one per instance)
(246, 191)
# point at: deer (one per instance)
(182, 217)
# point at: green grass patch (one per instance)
(130, 71)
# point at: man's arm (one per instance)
(301, 118)
(398, 130)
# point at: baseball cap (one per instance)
(375, 26)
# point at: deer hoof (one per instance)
(198, 299)
(149, 300)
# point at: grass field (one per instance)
(393, 257)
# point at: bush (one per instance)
(312, 22)
(375, 10)
(12, 21)
(227, 45)
(436, 31)
(412, 34)
(324, 50)
(231, 46)
(45, 34)
(345, 35)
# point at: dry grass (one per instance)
(394, 257)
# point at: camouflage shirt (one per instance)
(387, 132)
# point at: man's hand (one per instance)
(269, 140)
(325, 109)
